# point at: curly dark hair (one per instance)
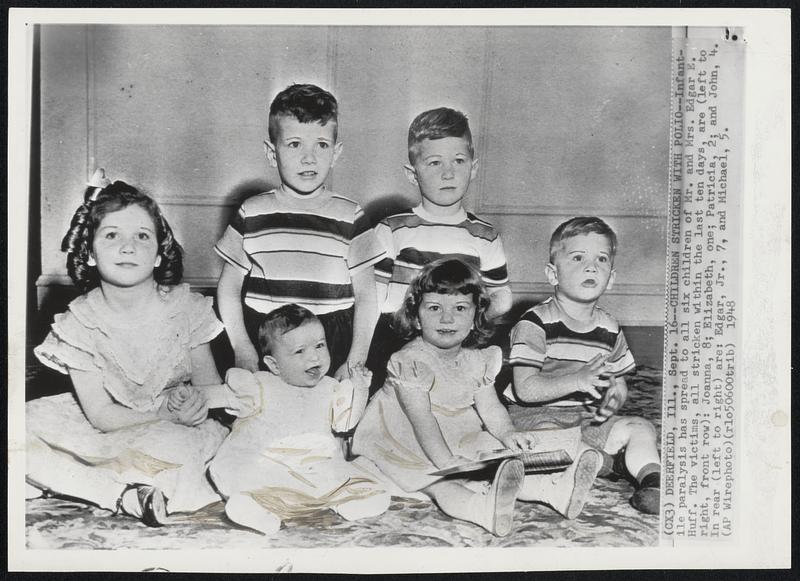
(77, 243)
(447, 276)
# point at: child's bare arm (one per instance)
(365, 315)
(107, 415)
(531, 386)
(229, 298)
(204, 370)
(416, 404)
(498, 422)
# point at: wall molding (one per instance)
(517, 286)
(215, 201)
(483, 207)
(520, 289)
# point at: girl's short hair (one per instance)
(447, 276)
(77, 243)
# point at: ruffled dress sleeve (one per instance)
(490, 362)
(203, 323)
(70, 345)
(409, 370)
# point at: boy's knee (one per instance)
(639, 427)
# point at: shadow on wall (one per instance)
(387, 205)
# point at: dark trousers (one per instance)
(385, 342)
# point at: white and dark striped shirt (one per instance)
(301, 250)
(545, 338)
(414, 238)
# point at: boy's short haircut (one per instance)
(281, 321)
(438, 124)
(307, 104)
(579, 226)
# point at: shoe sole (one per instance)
(153, 506)
(506, 484)
(586, 470)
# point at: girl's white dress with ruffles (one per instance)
(139, 363)
(286, 456)
(385, 434)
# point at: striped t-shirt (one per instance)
(299, 249)
(545, 338)
(414, 238)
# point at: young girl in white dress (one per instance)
(134, 436)
(439, 409)
(284, 460)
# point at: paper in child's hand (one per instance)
(349, 401)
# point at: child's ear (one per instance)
(411, 173)
(272, 364)
(551, 273)
(337, 151)
(269, 151)
(611, 278)
(474, 171)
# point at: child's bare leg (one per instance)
(242, 509)
(638, 437)
(493, 510)
(565, 491)
(364, 508)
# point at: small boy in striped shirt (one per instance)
(301, 243)
(569, 359)
(441, 164)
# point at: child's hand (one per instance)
(185, 405)
(359, 375)
(614, 399)
(246, 357)
(519, 441)
(593, 376)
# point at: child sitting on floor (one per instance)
(567, 351)
(134, 437)
(284, 461)
(439, 409)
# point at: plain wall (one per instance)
(567, 121)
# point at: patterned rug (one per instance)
(607, 520)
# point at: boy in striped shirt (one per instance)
(301, 243)
(441, 164)
(569, 359)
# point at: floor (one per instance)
(607, 519)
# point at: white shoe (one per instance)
(566, 491)
(245, 511)
(499, 501)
